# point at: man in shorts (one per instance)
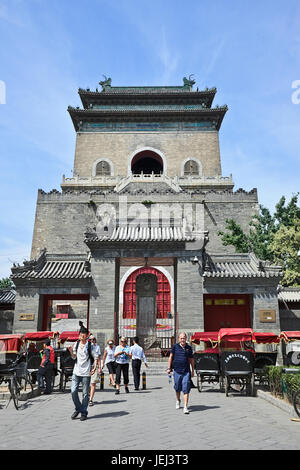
(181, 360)
(96, 374)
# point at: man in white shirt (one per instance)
(84, 352)
(137, 356)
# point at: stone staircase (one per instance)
(156, 368)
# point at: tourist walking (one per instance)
(122, 355)
(182, 362)
(46, 369)
(110, 361)
(137, 356)
(98, 370)
(86, 363)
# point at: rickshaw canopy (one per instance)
(235, 334)
(265, 338)
(40, 335)
(68, 336)
(11, 343)
(288, 336)
(205, 336)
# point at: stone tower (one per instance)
(142, 211)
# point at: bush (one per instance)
(280, 383)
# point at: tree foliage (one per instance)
(5, 282)
(274, 238)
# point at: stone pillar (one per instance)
(189, 297)
(102, 299)
(28, 302)
(265, 298)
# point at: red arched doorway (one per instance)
(163, 300)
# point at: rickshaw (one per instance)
(34, 357)
(207, 362)
(290, 347)
(66, 361)
(13, 372)
(237, 365)
(262, 359)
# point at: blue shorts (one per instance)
(182, 382)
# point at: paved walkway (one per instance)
(147, 419)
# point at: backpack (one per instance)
(89, 352)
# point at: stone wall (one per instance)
(61, 218)
(175, 146)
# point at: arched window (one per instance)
(102, 168)
(191, 168)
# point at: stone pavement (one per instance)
(147, 419)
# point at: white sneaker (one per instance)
(186, 410)
(177, 405)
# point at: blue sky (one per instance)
(249, 50)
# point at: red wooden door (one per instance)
(226, 311)
(163, 300)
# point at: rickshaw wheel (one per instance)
(25, 383)
(238, 385)
(296, 402)
(221, 384)
(14, 390)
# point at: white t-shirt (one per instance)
(110, 354)
(82, 367)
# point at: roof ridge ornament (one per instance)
(189, 82)
(106, 83)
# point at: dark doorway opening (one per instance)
(147, 162)
(48, 299)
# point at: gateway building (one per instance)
(130, 244)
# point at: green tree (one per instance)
(5, 282)
(273, 238)
(285, 248)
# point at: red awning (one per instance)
(265, 338)
(40, 335)
(11, 343)
(290, 336)
(211, 336)
(235, 334)
(68, 336)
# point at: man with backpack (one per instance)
(86, 359)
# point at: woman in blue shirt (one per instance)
(122, 355)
